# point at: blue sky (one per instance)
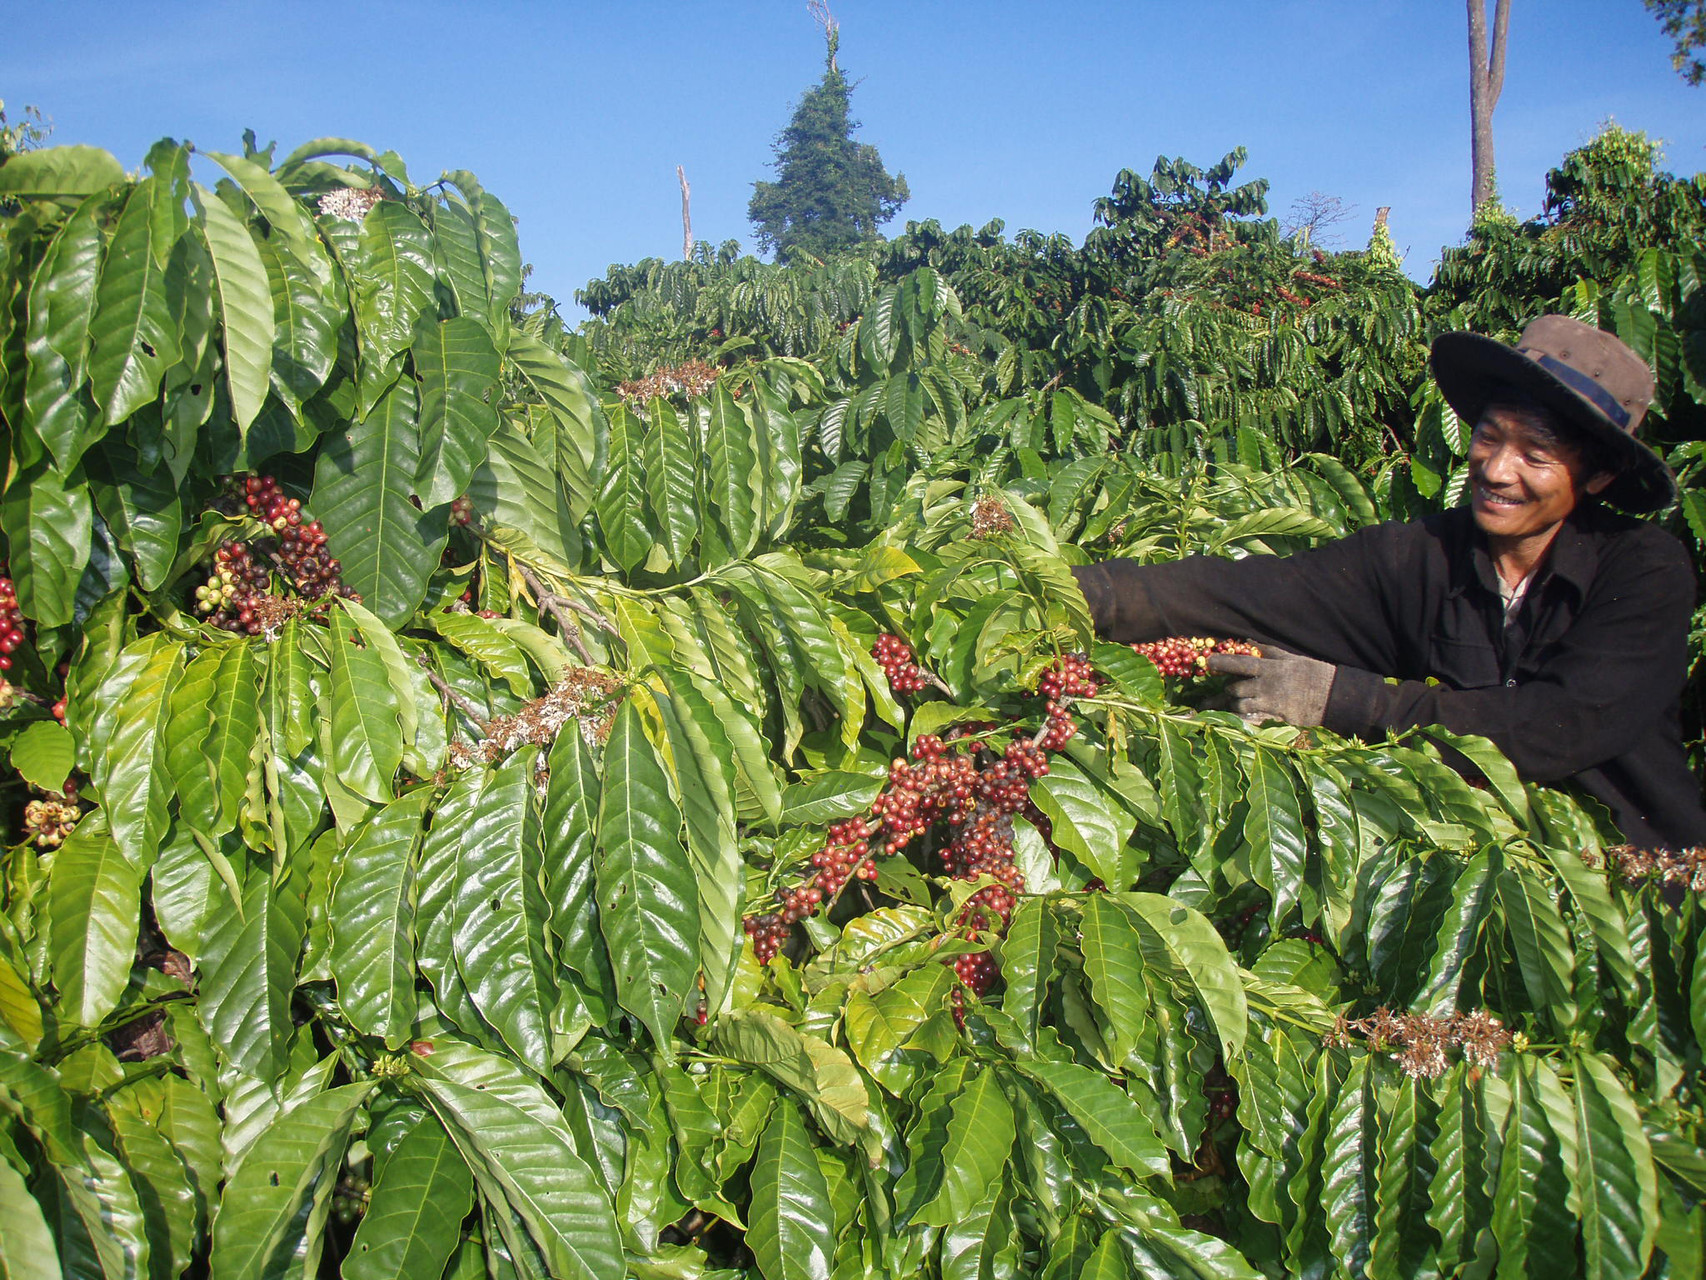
(577, 113)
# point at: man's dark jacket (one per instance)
(1583, 686)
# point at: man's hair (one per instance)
(1552, 432)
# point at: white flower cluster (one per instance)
(350, 202)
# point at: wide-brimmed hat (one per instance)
(1590, 380)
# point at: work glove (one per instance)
(1279, 685)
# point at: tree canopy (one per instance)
(831, 193)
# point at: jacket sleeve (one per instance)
(1332, 603)
(1597, 693)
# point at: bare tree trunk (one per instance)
(686, 216)
(1486, 80)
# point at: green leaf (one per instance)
(487, 645)
(704, 774)
(1028, 959)
(1087, 822)
(622, 496)
(373, 958)
(1460, 1196)
(569, 394)
(1199, 957)
(1110, 1118)
(1273, 828)
(818, 1072)
(393, 285)
(142, 508)
(1113, 961)
(262, 1222)
(647, 895)
(1542, 944)
(26, 1245)
(458, 369)
(401, 674)
(1616, 1183)
(733, 468)
(248, 974)
(245, 306)
(980, 1138)
(499, 914)
(1532, 1223)
(170, 1207)
(387, 547)
(671, 469)
(306, 321)
(133, 337)
(524, 1158)
(878, 1025)
(366, 739)
(829, 796)
(95, 904)
(132, 785)
(61, 308)
(59, 171)
(45, 754)
(414, 1217)
(790, 1220)
(49, 527)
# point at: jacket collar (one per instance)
(1573, 556)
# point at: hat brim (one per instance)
(1470, 368)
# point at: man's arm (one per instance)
(1330, 603)
(1620, 665)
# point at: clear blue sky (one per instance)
(576, 113)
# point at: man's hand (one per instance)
(1277, 686)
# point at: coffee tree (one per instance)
(478, 823)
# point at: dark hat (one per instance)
(1595, 385)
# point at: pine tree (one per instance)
(831, 193)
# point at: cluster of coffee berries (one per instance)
(462, 510)
(11, 619)
(1188, 655)
(49, 820)
(1071, 676)
(894, 656)
(978, 970)
(237, 595)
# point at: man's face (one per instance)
(1520, 485)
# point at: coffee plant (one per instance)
(494, 803)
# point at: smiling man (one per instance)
(1535, 616)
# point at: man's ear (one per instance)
(1596, 483)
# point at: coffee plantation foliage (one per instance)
(500, 802)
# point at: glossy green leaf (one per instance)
(527, 1158)
(1028, 955)
(245, 306)
(414, 1218)
(393, 284)
(61, 308)
(1616, 1185)
(59, 171)
(790, 1218)
(26, 1245)
(44, 753)
(622, 495)
(1273, 828)
(499, 914)
(133, 339)
(261, 1223)
(127, 772)
(647, 893)
(372, 956)
(732, 471)
(488, 646)
(703, 765)
(1534, 1228)
(1110, 1118)
(366, 737)
(818, 1072)
(362, 483)
(671, 469)
(1201, 959)
(248, 973)
(49, 525)
(1542, 943)
(573, 402)
(305, 322)
(95, 907)
(1086, 822)
(1114, 962)
(979, 1140)
(458, 369)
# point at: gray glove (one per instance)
(1277, 686)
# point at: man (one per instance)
(1534, 616)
